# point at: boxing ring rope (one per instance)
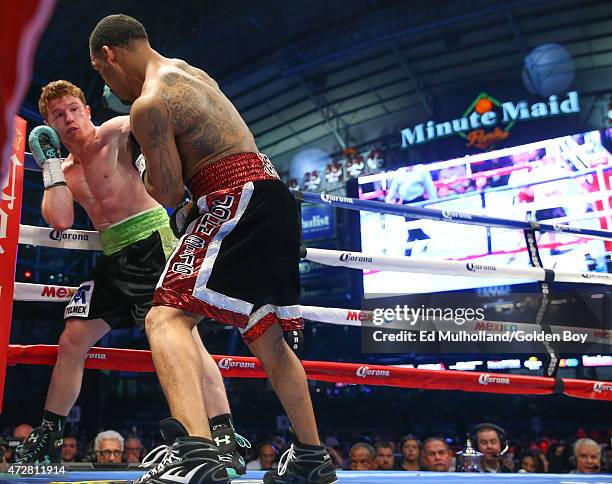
(446, 215)
(359, 260)
(116, 359)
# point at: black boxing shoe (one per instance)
(227, 440)
(189, 460)
(41, 447)
(303, 464)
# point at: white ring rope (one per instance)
(359, 260)
(67, 239)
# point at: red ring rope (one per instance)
(355, 373)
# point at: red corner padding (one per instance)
(591, 389)
(245, 367)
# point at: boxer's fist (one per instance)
(182, 216)
(44, 144)
(113, 102)
(140, 163)
(45, 147)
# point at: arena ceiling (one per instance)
(328, 73)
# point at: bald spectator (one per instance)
(108, 447)
(437, 455)
(133, 450)
(362, 457)
(384, 456)
(265, 459)
(70, 450)
(22, 432)
(588, 457)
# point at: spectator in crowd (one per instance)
(293, 184)
(70, 450)
(608, 455)
(314, 181)
(437, 455)
(385, 456)
(108, 447)
(333, 175)
(265, 458)
(306, 180)
(411, 450)
(531, 462)
(355, 166)
(362, 457)
(375, 161)
(559, 458)
(133, 450)
(22, 431)
(489, 442)
(587, 456)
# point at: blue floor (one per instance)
(349, 477)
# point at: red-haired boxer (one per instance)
(237, 262)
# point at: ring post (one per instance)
(10, 215)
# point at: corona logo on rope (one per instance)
(485, 379)
(364, 371)
(58, 235)
(470, 266)
(333, 198)
(229, 363)
(347, 257)
(488, 121)
(448, 215)
(600, 387)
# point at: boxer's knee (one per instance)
(73, 343)
(161, 319)
(270, 344)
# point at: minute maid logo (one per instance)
(487, 120)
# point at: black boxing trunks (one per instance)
(124, 278)
(237, 263)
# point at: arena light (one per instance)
(597, 360)
(466, 365)
(513, 364)
(533, 363)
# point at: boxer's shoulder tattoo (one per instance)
(201, 118)
(158, 136)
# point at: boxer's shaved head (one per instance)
(116, 30)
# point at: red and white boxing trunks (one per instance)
(237, 263)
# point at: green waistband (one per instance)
(136, 228)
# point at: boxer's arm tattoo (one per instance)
(158, 135)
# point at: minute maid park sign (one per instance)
(487, 120)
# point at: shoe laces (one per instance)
(226, 457)
(283, 463)
(171, 456)
(242, 441)
(155, 456)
